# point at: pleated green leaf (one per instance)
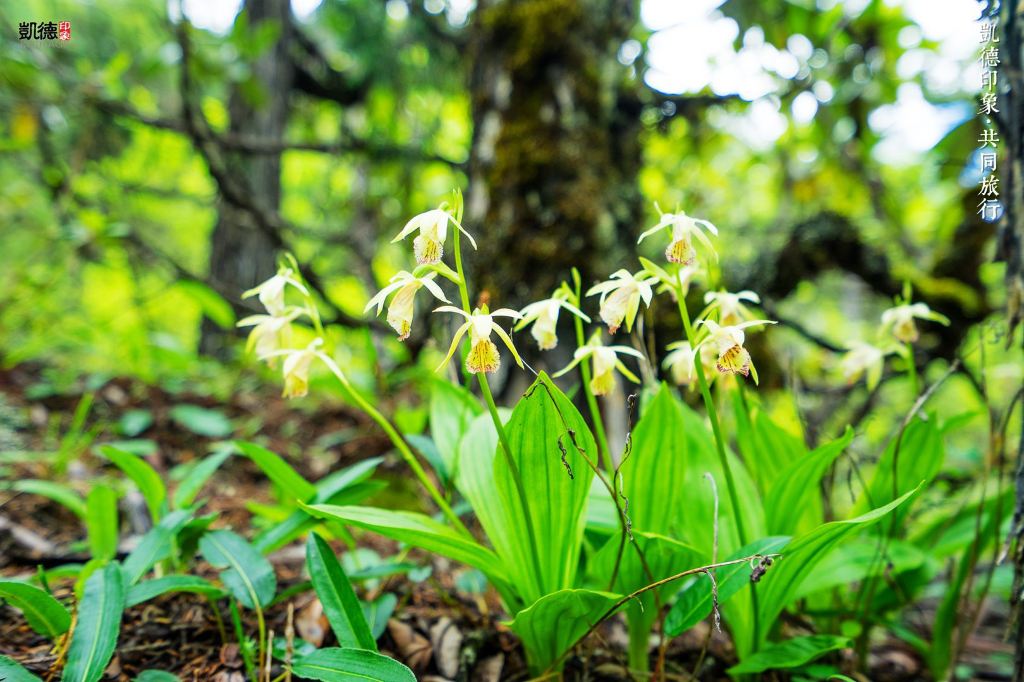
(554, 623)
(145, 478)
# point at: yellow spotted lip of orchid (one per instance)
(432, 226)
(900, 320)
(620, 298)
(604, 361)
(544, 316)
(730, 306)
(483, 354)
(862, 359)
(271, 292)
(270, 332)
(733, 358)
(683, 229)
(400, 311)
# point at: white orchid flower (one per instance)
(864, 359)
(730, 306)
(270, 333)
(900, 320)
(295, 368)
(604, 360)
(271, 292)
(433, 228)
(483, 353)
(400, 311)
(544, 316)
(621, 296)
(683, 229)
(681, 362)
(728, 341)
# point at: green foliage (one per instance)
(44, 614)
(350, 665)
(155, 546)
(143, 475)
(101, 522)
(247, 574)
(150, 589)
(791, 653)
(550, 626)
(12, 671)
(99, 621)
(341, 605)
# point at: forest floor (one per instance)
(438, 628)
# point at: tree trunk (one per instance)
(241, 256)
(556, 145)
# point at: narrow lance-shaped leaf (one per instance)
(186, 492)
(102, 522)
(340, 603)
(145, 478)
(279, 471)
(44, 614)
(58, 492)
(155, 545)
(12, 671)
(150, 589)
(99, 620)
(247, 573)
(351, 665)
(792, 653)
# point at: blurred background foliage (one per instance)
(833, 143)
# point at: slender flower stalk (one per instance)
(492, 409)
(595, 411)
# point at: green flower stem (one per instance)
(392, 433)
(403, 449)
(595, 412)
(709, 404)
(506, 449)
(912, 371)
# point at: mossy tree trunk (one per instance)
(556, 144)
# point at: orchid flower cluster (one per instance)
(722, 325)
(898, 333)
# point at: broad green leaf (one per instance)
(150, 589)
(279, 471)
(792, 653)
(202, 421)
(12, 671)
(452, 408)
(767, 448)
(804, 553)
(694, 602)
(155, 545)
(546, 435)
(418, 530)
(186, 492)
(554, 623)
(857, 559)
(341, 606)
(99, 621)
(794, 496)
(247, 573)
(145, 478)
(919, 458)
(101, 522)
(671, 452)
(58, 492)
(156, 676)
(377, 613)
(351, 665)
(44, 614)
